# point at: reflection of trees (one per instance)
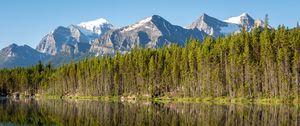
(60, 112)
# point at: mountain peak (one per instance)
(243, 19)
(244, 15)
(13, 45)
(92, 23)
(213, 26)
(157, 17)
(207, 24)
(95, 25)
(60, 29)
(148, 19)
(206, 18)
(205, 15)
(140, 23)
(152, 20)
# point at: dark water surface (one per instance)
(104, 113)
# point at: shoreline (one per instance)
(166, 99)
(217, 100)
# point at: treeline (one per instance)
(261, 63)
(25, 80)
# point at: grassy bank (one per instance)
(217, 100)
(228, 100)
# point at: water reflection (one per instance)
(83, 112)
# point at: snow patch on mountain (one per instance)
(86, 31)
(93, 26)
(236, 20)
(137, 25)
(229, 29)
(11, 54)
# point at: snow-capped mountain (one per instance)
(66, 39)
(98, 27)
(243, 20)
(20, 56)
(213, 26)
(152, 32)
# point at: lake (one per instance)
(113, 113)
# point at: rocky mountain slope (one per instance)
(20, 56)
(152, 32)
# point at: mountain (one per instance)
(243, 20)
(152, 32)
(20, 56)
(213, 26)
(67, 39)
(96, 27)
(246, 20)
(61, 39)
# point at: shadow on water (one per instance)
(85, 112)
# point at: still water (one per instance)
(104, 113)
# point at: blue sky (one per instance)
(27, 21)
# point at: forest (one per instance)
(263, 63)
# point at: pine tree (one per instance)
(152, 74)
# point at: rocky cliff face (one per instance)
(61, 37)
(66, 39)
(152, 32)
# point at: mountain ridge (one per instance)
(99, 37)
(20, 56)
